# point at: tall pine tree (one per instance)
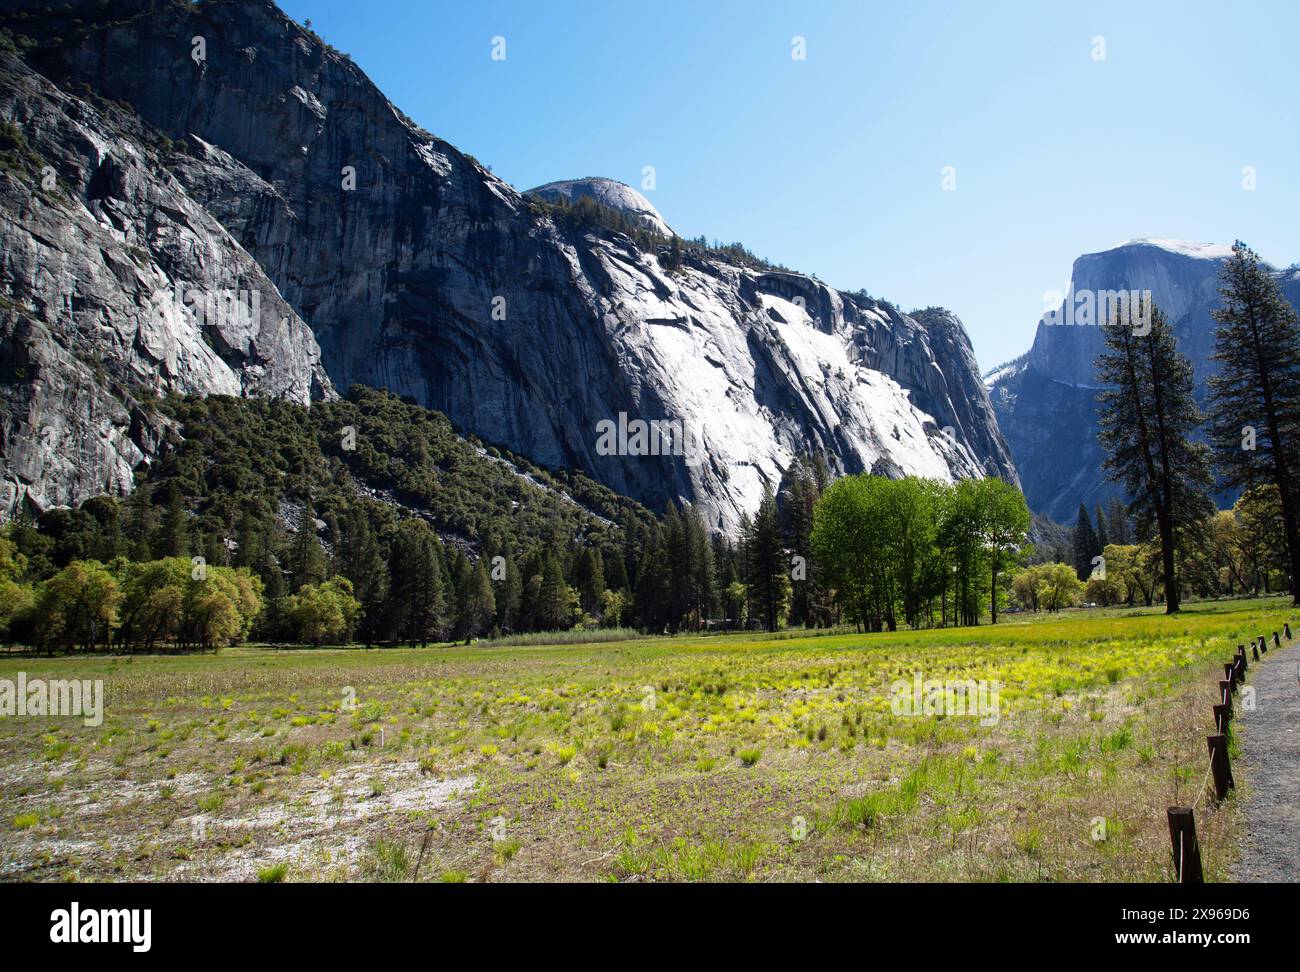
(1255, 394)
(1086, 544)
(1101, 526)
(1147, 418)
(769, 579)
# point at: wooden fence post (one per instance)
(1222, 716)
(1263, 647)
(1230, 673)
(1219, 768)
(1277, 642)
(1241, 660)
(1187, 852)
(1286, 627)
(1225, 693)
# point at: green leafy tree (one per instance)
(961, 536)
(16, 598)
(1005, 526)
(324, 612)
(1059, 587)
(77, 607)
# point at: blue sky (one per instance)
(834, 165)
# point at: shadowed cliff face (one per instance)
(1047, 404)
(101, 249)
(420, 272)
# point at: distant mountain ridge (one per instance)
(1046, 400)
(394, 260)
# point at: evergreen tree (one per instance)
(508, 593)
(1147, 416)
(589, 578)
(703, 590)
(553, 597)
(1255, 394)
(137, 522)
(1118, 529)
(475, 603)
(361, 561)
(1086, 544)
(307, 561)
(531, 593)
(172, 538)
(249, 546)
(1102, 527)
(273, 625)
(615, 570)
(416, 599)
(653, 587)
(800, 496)
(769, 578)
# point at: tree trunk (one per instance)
(1172, 599)
(993, 593)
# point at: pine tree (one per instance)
(769, 579)
(1101, 526)
(416, 601)
(307, 561)
(361, 561)
(1117, 526)
(653, 587)
(1255, 394)
(250, 549)
(1086, 545)
(530, 592)
(273, 624)
(475, 602)
(704, 592)
(800, 497)
(508, 589)
(1147, 416)
(589, 578)
(172, 538)
(553, 598)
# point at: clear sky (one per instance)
(834, 165)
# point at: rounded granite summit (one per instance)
(607, 192)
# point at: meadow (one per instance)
(728, 757)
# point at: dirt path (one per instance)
(1271, 762)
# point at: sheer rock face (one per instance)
(116, 286)
(1046, 403)
(420, 272)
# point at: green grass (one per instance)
(657, 759)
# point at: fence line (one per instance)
(1182, 820)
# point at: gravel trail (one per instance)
(1271, 762)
